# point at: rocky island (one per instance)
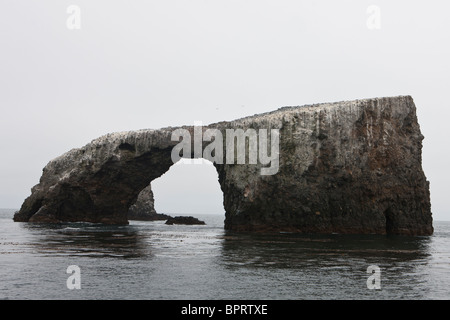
(144, 207)
(344, 167)
(184, 220)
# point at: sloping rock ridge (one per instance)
(344, 167)
(144, 207)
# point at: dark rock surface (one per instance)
(345, 167)
(184, 220)
(144, 208)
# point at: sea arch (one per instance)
(345, 167)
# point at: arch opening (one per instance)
(189, 187)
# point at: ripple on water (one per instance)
(154, 261)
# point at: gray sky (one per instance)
(149, 64)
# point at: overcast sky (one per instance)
(150, 64)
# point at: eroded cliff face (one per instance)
(346, 167)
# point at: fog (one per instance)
(67, 77)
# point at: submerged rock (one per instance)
(184, 220)
(345, 167)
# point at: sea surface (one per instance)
(151, 260)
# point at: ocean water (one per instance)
(151, 260)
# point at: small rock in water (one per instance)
(184, 220)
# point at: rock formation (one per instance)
(184, 220)
(144, 207)
(345, 167)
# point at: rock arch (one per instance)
(341, 166)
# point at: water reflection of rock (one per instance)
(294, 250)
(307, 265)
(86, 239)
